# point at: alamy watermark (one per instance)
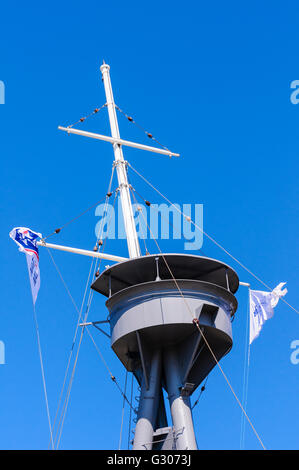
(157, 221)
(295, 354)
(294, 97)
(2, 92)
(2, 353)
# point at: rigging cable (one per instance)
(57, 230)
(201, 392)
(148, 203)
(95, 111)
(75, 334)
(113, 378)
(65, 405)
(122, 414)
(245, 374)
(43, 375)
(73, 343)
(130, 415)
(208, 236)
(108, 195)
(139, 210)
(196, 323)
(149, 135)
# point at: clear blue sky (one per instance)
(211, 81)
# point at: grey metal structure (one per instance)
(154, 336)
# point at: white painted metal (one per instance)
(114, 140)
(179, 405)
(121, 170)
(79, 251)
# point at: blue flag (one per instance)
(26, 239)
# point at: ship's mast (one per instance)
(120, 164)
(162, 331)
(150, 389)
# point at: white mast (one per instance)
(120, 163)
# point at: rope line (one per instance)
(64, 408)
(148, 203)
(66, 400)
(149, 135)
(57, 230)
(113, 378)
(96, 347)
(122, 414)
(43, 375)
(65, 404)
(245, 374)
(105, 198)
(209, 237)
(130, 415)
(143, 234)
(78, 320)
(116, 193)
(201, 392)
(82, 119)
(75, 334)
(90, 297)
(196, 323)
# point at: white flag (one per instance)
(34, 275)
(26, 239)
(261, 308)
(277, 293)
